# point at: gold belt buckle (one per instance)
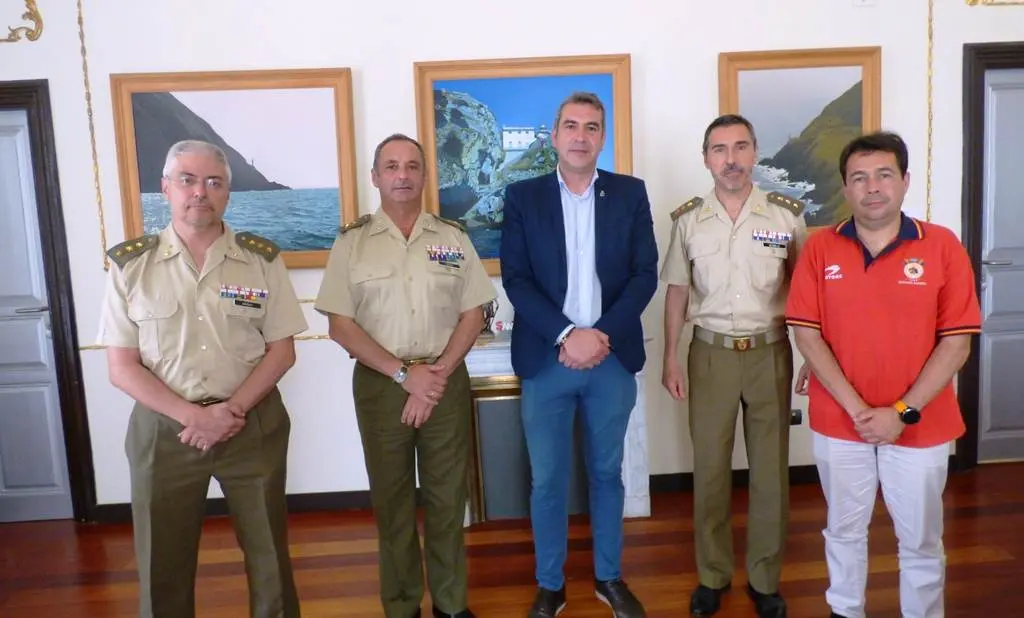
(741, 343)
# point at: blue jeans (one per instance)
(605, 396)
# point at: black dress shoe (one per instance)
(835, 615)
(463, 614)
(616, 595)
(547, 603)
(706, 601)
(767, 605)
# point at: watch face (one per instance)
(911, 416)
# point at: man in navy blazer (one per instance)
(579, 264)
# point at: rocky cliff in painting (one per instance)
(160, 121)
(472, 168)
(813, 156)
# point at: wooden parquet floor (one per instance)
(68, 570)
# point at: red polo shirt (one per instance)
(883, 317)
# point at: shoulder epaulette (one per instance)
(266, 249)
(452, 222)
(125, 252)
(351, 225)
(794, 206)
(693, 204)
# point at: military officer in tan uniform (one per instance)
(727, 270)
(404, 292)
(198, 322)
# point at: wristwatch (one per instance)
(908, 415)
(400, 375)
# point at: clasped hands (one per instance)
(212, 425)
(425, 385)
(878, 426)
(584, 348)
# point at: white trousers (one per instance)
(912, 480)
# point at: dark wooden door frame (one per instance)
(978, 58)
(33, 96)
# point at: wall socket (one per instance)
(796, 416)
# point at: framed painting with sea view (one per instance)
(805, 105)
(288, 137)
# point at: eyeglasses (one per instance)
(189, 181)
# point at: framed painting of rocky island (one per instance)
(805, 105)
(487, 123)
(288, 136)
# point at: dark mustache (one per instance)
(733, 168)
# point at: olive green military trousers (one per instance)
(722, 381)
(393, 450)
(169, 483)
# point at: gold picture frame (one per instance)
(994, 2)
(297, 123)
(506, 107)
(794, 113)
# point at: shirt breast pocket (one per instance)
(769, 267)
(158, 327)
(372, 286)
(707, 264)
(244, 327)
(445, 286)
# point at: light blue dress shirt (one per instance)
(583, 295)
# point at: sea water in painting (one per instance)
(803, 118)
(495, 131)
(282, 148)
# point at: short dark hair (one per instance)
(727, 120)
(879, 141)
(395, 137)
(586, 98)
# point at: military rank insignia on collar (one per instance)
(445, 255)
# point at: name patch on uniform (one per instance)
(241, 293)
(445, 255)
(769, 238)
(248, 303)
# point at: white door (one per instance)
(33, 461)
(1001, 405)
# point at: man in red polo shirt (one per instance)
(883, 307)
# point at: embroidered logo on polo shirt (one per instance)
(832, 273)
(913, 270)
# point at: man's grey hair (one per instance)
(585, 98)
(192, 146)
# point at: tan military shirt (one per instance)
(407, 295)
(737, 273)
(203, 333)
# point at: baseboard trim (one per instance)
(683, 481)
(118, 513)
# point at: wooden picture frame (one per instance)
(994, 2)
(294, 150)
(504, 108)
(791, 111)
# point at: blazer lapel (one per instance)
(602, 219)
(557, 221)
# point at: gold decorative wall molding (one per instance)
(31, 14)
(994, 2)
(92, 138)
(930, 97)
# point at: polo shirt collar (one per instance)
(910, 229)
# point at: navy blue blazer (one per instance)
(535, 276)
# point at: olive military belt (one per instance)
(747, 342)
(421, 360)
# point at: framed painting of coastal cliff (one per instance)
(288, 137)
(487, 123)
(805, 105)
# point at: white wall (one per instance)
(674, 47)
